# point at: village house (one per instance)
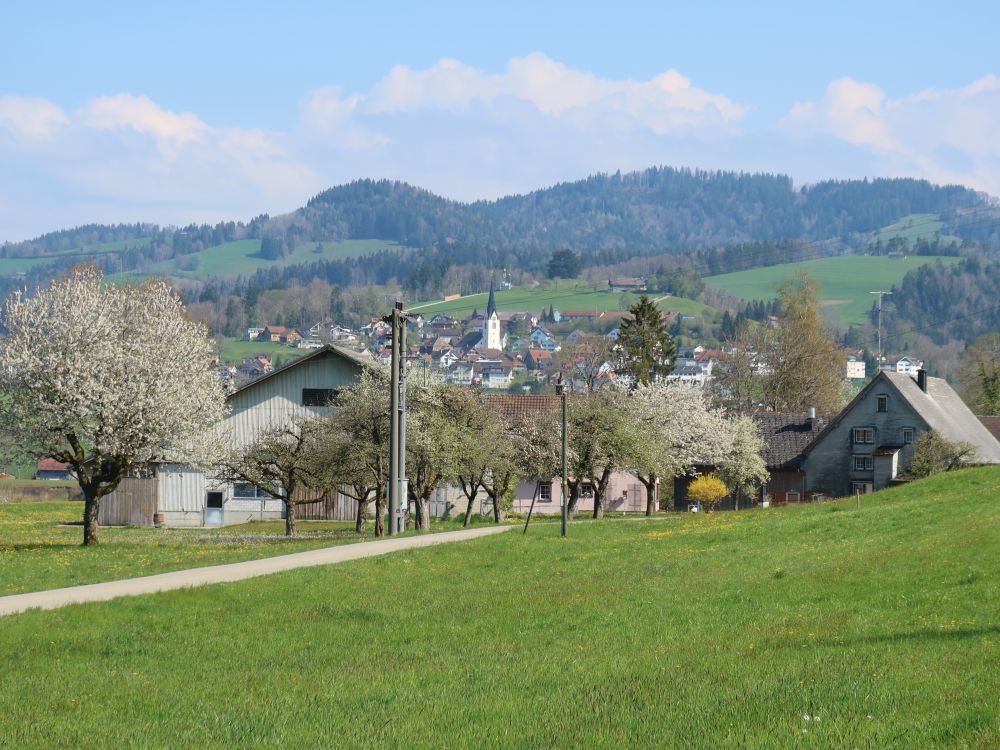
(49, 468)
(280, 335)
(870, 442)
(903, 365)
(188, 497)
(627, 284)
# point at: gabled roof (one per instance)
(358, 359)
(991, 423)
(786, 437)
(517, 408)
(940, 408)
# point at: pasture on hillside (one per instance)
(242, 257)
(846, 281)
(571, 295)
(808, 626)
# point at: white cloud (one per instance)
(30, 118)
(945, 135)
(141, 114)
(667, 103)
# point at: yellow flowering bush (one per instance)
(707, 490)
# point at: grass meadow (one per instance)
(814, 626)
(564, 295)
(846, 281)
(40, 546)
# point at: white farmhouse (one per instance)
(183, 496)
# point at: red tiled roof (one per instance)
(50, 464)
(516, 408)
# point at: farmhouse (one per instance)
(867, 445)
(184, 496)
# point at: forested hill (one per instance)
(656, 210)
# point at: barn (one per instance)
(179, 495)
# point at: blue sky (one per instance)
(184, 111)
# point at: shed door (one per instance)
(213, 509)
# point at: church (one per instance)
(492, 337)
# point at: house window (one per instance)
(587, 491)
(545, 492)
(864, 463)
(882, 403)
(907, 435)
(318, 396)
(863, 435)
(861, 488)
(247, 491)
(792, 497)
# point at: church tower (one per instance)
(491, 324)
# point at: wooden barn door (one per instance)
(133, 503)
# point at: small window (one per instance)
(861, 488)
(863, 435)
(792, 497)
(587, 490)
(247, 491)
(545, 492)
(882, 403)
(907, 435)
(864, 463)
(318, 396)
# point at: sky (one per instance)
(184, 112)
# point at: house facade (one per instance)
(870, 442)
(185, 496)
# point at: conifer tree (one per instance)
(647, 351)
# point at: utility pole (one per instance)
(564, 490)
(403, 504)
(880, 293)
(394, 503)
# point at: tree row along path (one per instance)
(178, 579)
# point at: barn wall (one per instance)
(277, 400)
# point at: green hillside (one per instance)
(241, 257)
(560, 295)
(846, 281)
(810, 626)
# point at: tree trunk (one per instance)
(498, 514)
(379, 511)
(574, 497)
(362, 515)
(468, 511)
(289, 519)
(598, 505)
(90, 507)
(600, 488)
(650, 484)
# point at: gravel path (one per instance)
(179, 579)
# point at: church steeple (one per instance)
(492, 339)
(491, 306)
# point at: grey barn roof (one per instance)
(945, 412)
(786, 437)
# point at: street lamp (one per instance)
(561, 392)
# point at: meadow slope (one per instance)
(809, 626)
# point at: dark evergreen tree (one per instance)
(564, 264)
(647, 351)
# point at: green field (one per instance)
(240, 257)
(40, 546)
(846, 281)
(914, 227)
(815, 626)
(562, 295)
(235, 350)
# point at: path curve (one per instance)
(179, 579)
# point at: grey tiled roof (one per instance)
(786, 436)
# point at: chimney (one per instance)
(922, 379)
(811, 417)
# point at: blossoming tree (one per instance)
(107, 378)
